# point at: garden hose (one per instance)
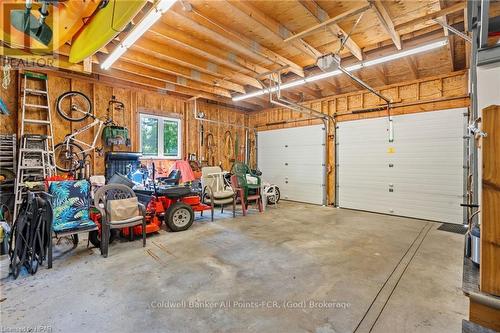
(209, 151)
(228, 146)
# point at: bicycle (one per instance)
(75, 106)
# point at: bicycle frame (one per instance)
(87, 147)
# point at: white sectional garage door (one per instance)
(293, 159)
(418, 175)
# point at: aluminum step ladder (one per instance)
(36, 150)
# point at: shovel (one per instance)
(24, 21)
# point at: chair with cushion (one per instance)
(71, 204)
(215, 190)
(119, 209)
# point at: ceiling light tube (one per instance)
(320, 76)
(161, 7)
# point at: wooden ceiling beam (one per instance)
(380, 73)
(457, 7)
(335, 30)
(332, 20)
(189, 60)
(169, 78)
(274, 27)
(113, 74)
(140, 58)
(309, 91)
(412, 65)
(223, 35)
(146, 60)
(451, 40)
(386, 21)
(206, 50)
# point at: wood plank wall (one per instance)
(136, 100)
(490, 207)
(432, 93)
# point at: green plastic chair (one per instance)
(241, 170)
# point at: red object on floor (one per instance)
(156, 209)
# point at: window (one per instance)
(160, 136)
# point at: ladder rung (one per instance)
(36, 121)
(35, 91)
(36, 106)
(29, 150)
(26, 167)
(33, 75)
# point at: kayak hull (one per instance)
(104, 26)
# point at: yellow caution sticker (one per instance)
(391, 150)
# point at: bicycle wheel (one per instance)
(74, 106)
(68, 156)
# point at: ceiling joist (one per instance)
(203, 49)
(386, 21)
(225, 36)
(332, 20)
(273, 26)
(335, 30)
(186, 59)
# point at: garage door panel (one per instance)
(423, 167)
(293, 159)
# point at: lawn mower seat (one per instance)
(173, 178)
(174, 192)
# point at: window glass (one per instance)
(170, 138)
(149, 136)
(160, 136)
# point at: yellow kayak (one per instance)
(105, 25)
(65, 19)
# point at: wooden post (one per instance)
(490, 225)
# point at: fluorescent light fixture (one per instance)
(161, 7)
(321, 76)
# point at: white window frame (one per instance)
(161, 120)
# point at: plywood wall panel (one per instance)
(8, 123)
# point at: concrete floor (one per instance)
(362, 271)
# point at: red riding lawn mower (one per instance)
(174, 205)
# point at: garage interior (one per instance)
(250, 166)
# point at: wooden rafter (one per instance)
(332, 20)
(309, 91)
(140, 58)
(206, 50)
(335, 30)
(457, 7)
(451, 40)
(149, 61)
(161, 85)
(412, 65)
(222, 35)
(169, 78)
(189, 60)
(386, 21)
(380, 73)
(274, 27)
